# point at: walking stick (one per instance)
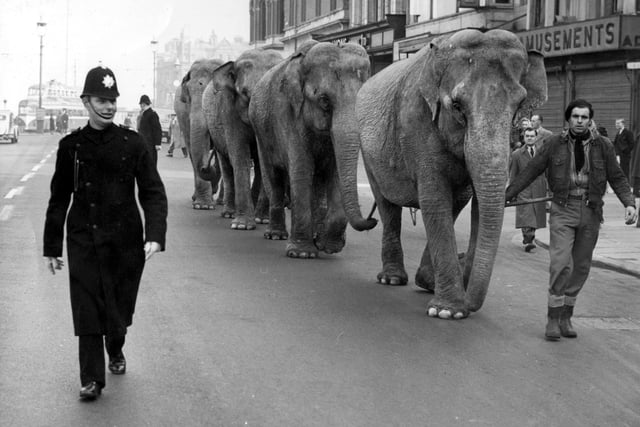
(527, 201)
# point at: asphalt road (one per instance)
(230, 332)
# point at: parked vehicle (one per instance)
(8, 128)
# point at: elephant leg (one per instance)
(202, 197)
(259, 196)
(301, 174)
(449, 296)
(229, 208)
(275, 179)
(331, 237)
(244, 218)
(425, 277)
(393, 271)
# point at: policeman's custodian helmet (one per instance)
(100, 82)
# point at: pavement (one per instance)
(618, 245)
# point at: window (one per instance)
(372, 11)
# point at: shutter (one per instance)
(552, 111)
(609, 91)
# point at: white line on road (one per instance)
(5, 213)
(27, 177)
(43, 161)
(14, 192)
(36, 168)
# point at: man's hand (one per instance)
(150, 248)
(158, 147)
(630, 215)
(53, 264)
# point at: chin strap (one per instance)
(94, 110)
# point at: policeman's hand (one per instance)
(630, 215)
(150, 248)
(53, 264)
(158, 147)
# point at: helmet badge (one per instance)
(108, 81)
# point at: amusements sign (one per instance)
(618, 32)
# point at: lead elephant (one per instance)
(188, 108)
(303, 113)
(435, 132)
(225, 102)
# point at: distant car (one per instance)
(8, 129)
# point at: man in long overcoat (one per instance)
(529, 217)
(97, 169)
(149, 127)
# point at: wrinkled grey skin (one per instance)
(188, 108)
(435, 132)
(225, 103)
(303, 113)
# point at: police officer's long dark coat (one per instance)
(105, 241)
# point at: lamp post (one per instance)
(40, 114)
(154, 47)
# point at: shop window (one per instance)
(333, 5)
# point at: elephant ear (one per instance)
(431, 74)
(535, 82)
(224, 77)
(292, 82)
(184, 93)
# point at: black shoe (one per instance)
(118, 365)
(169, 155)
(529, 247)
(90, 391)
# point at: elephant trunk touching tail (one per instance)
(347, 147)
(488, 170)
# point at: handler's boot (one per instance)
(552, 331)
(566, 329)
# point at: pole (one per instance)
(154, 46)
(40, 81)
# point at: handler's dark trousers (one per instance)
(574, 230)
(91, 351)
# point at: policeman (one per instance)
(100, 166)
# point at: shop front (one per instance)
(593, 60)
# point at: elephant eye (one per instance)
(324, 102)
(457, 111)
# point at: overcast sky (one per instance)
(81, 33)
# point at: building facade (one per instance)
(591, 47)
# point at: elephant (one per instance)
(188, 108)
(225, 103)
(303, 113)
(434, 134)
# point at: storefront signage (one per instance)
(575, 38)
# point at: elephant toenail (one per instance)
(444, 314)
(433, 312)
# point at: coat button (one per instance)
(93, 205)
(94, 226)
(87, 184)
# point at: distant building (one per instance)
(179, 53)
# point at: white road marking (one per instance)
(27, 177)
(43, 161)
(5, 213)
(36, 168)
(14, 192)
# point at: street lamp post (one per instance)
(40, 114)
(154, 47)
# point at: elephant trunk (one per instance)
(488, 167)
(346, 142)
(201, 148)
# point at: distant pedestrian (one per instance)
(532, 216)
(542, 133)
(517, 133)
(634, 172)
(97, 171)
(624, 143)
(52, 124)
(127, 121)
(149, 127)
(176, 137)
(64, 121)
(578, 163)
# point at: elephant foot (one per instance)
(330, 246)
(393, 275)
(203, 206)
(425, 279)
(243, 224)
(262, 220)
(226, 213)
(220, 201)
(301, 250)
(273, 234)
(442, 310)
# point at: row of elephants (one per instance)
(433, 131)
